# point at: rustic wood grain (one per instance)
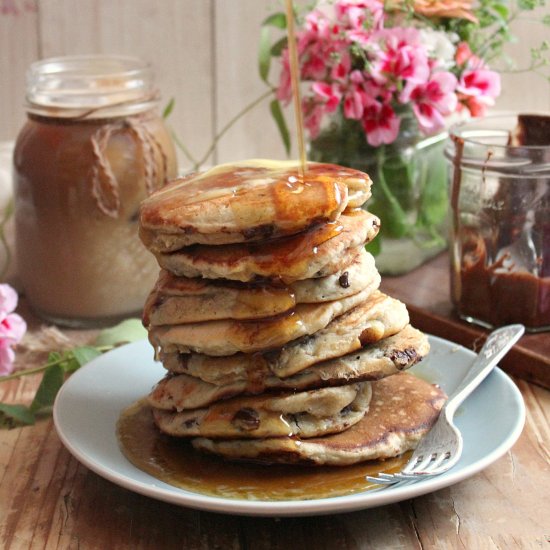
(49, 500)
(205, 55)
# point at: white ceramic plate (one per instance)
(89, 403)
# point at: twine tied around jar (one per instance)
(105, 188)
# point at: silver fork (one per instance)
(442, 446)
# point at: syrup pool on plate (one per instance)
(175, 462)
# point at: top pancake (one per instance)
(248, 201)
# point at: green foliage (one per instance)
(169, 108)
(4, 218)
(278, 117)
(128, 331)
(61, 364)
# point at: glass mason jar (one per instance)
(500, 238)
(409, 192)
(92, 149)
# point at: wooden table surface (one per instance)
(49, 500)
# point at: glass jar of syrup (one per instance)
(500, 242)
(92, 149)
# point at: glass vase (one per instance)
(409, 192)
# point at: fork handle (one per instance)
(494, 349)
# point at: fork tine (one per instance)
(438, 461)
(381, 480)
(383, 486)
(421, 464)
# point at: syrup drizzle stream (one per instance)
(295, 80)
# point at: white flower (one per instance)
(440, 46)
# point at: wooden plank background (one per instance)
(204, 54)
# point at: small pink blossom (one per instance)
(464, 57)
(432, 101)
(355, 100)
(478, 89)
(12, 328)
(480, 83)
(360, 13)
(313, 116)
(340, 71)
(328, 95)
(380, 123)
(401, 57)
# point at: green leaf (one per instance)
(502, 10)
(374, 247)
(169, 108)
(50, 385)
(129, 330)
(385, 205)
(264, 54)
(546, 20)
(275, 20)
(528, 4)
(85, 354)
(12, 415)
(434, 200)
(278, 47)
(277, 114)
(54, 356)
(399, 175)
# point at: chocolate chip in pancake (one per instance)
(403, 408)
(305, 414)
(176, 300)
(373, 362)
(378, 317)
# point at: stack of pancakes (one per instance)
(268, 318)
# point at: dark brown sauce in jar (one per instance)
(175, 462)
(500, 247)
(492, 294)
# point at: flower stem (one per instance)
(41, 368)
(184, 149)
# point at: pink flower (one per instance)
(340, 71)
(432, 101)
(354, 103)
(465, 57)
(380, 123)
(313, 116)
(478, 89)
(12, 328)
(328, 95)
(358, 14)
(401, 57)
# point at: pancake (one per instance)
(227, 337)
(311, 254)
(379, 317)
(176, 300)
(249, 201)
(376, 361)
(403, 408)
(304, 414)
